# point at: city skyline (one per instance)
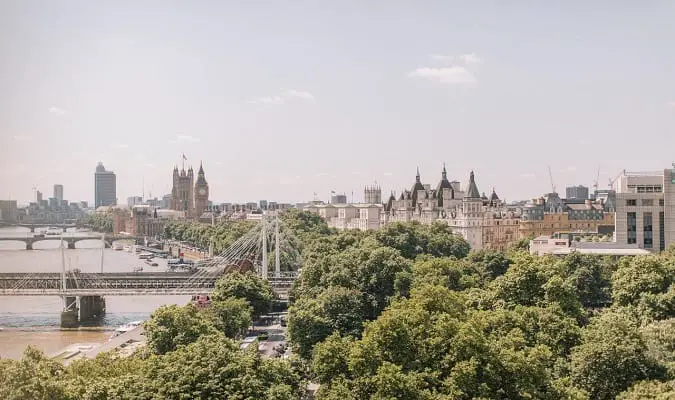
(282, 101)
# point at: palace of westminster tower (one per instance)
(187, 195)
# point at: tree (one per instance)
(307, 325)
(649, 390)
(659, 337)
(32, 377)
(213, 367)
(639, 275)
(611, 357)
(249, 286)
(231, 316)
(330, 358)
(413, 239)
(172, 326)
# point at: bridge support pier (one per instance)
(29, 245)
(32, 229)
(92, 308)
(69, 314)
(71, 244)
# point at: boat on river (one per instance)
(117, 246)
(126, 328)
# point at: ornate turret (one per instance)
(443, 184)
(417, 186)
(494, 199)
(473, 192)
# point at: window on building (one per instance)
(647, 230)
(631, 202)
(647, 202)
(662, 232)
(631, 228)
(661, 202)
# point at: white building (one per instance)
(561, 246)
(348, 216)
(645, 209)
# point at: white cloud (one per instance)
(528, 175)
(470, 58)
(57, 111)
(321, 174)
(671, 104)
(440, 57)
(300, 94)
(120, 146)
(285, 96)
(448, 75)
(182, 139)
(268, 100)
(22, 138)
(571, 168)
(388, 174)
(149, 165)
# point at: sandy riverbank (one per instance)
(14, 341)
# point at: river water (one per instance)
(35, 319)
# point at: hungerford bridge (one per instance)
(83, 293)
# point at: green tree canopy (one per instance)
(172, 326)
(248, 286)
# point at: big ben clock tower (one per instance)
(201, 193)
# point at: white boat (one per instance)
(127, 248)
(53, 232)
(117, 246)
(126, 328)
(146, 256)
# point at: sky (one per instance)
(284, 99)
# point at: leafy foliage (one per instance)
(248, 286)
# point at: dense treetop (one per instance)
(407, 312)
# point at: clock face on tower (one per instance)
(202, 192)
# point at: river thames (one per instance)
(35, 320)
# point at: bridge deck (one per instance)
(117, 284)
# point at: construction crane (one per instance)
(550, 175)
(597, 179)
(612, 181)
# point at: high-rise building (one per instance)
(38, 197)
(105, 187)
(576, 192)
(58, 193)
(645, 209)
(9, 210)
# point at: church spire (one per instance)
(445, 172)
(417, 177)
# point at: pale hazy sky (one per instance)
(281, 99)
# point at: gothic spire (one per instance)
(417, 177)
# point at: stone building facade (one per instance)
(486, 223)
(551, 214)
(187, 195)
